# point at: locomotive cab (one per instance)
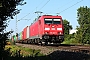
(53, 29)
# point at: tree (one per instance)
(83, 33)
(67, 27)
(7, 11)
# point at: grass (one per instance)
(71, 41)
(23, 50)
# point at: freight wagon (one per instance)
(46, 29)
(19, 37)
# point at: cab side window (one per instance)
(39, 21)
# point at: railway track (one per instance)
(51, 48)
(72, 48)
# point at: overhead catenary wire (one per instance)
(43, 6)
(65, 4)
(71, 6)
(29, 13)
(34, 9)
(62, 6)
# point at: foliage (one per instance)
(70, 39)
(83, 33)
(7, 11)
(67, 27)
(22, 53)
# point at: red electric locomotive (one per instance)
(47, 28)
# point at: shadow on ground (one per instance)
(62, 55)
(56, 55)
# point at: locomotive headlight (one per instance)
(59, 28)
(46, 32)
(47, 28)
(59, 33)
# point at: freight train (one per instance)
(46, 29)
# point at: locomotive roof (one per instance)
(40, 17)
(50, 15)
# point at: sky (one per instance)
(66, 8)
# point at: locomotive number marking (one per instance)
(53, 28)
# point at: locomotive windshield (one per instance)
(48, 21)
(56, 21)
(52, 21)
